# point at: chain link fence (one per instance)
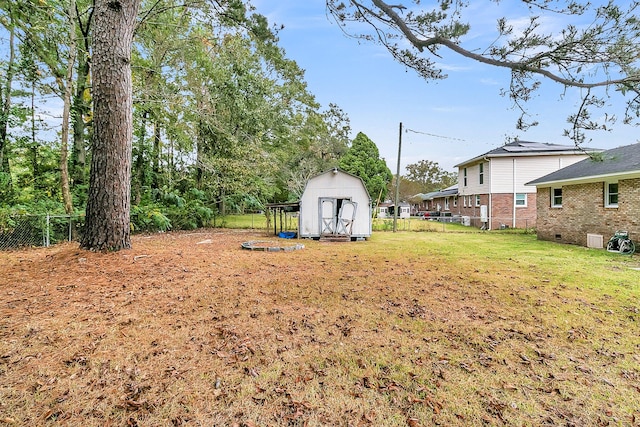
(18, 231)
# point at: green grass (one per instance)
(253, 221)
(258, 221)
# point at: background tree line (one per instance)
(222, 120)
(192, 106)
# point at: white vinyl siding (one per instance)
(470, 184)
(526, 168)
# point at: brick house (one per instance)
(491, 187)
(587, 202)
(445, 200)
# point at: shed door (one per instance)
(346, 216)
(328, 215)
(336, 216)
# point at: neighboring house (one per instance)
(441, 200)
(335, 204)
(445, 201)
(491, 187)
(423, 201)
(387, 210)
(587, 202)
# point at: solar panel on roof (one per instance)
(533, 146)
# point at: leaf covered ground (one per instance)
(407, 329)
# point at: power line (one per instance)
(435, 136)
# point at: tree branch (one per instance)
(528, 66)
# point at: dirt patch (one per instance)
(190, 329)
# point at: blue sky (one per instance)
(453, 119)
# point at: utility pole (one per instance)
(395, 207)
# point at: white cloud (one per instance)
(490, 82)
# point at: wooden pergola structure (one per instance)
(280, 211)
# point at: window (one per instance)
(521, 200)
(611, 194)
(455, 202)
(556, 197)
(464, 201)
(446, 203)
(464, 174)
(481, 175)
(477, 200)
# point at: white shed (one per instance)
(335, 204)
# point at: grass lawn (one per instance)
(405, 329)
(256, 221)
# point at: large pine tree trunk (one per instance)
(107, 224)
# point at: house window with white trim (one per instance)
(521, 200)
(477, 200)
(446, 203)
(481, 174)
(611, 194)
(556, 197)
(464, 175)
(455, 201)
(464, 201)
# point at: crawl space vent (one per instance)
(595, 241)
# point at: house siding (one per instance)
(473, 179)
(509, 175)
(472, 211)
(502, 211)
(583, 212)
(503, 178)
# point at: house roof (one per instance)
(529, 148)
(449, 191)
(621, 161)
(425, 196)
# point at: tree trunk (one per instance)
(79, 111)
(107, 224)
(33, 143)
(81, 105)
(6, 102)
(140, 167)
(68, 87)
(157, 152)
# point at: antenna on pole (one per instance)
(395, 207)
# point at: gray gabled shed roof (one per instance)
(621, 161)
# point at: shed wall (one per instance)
(338, 185)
